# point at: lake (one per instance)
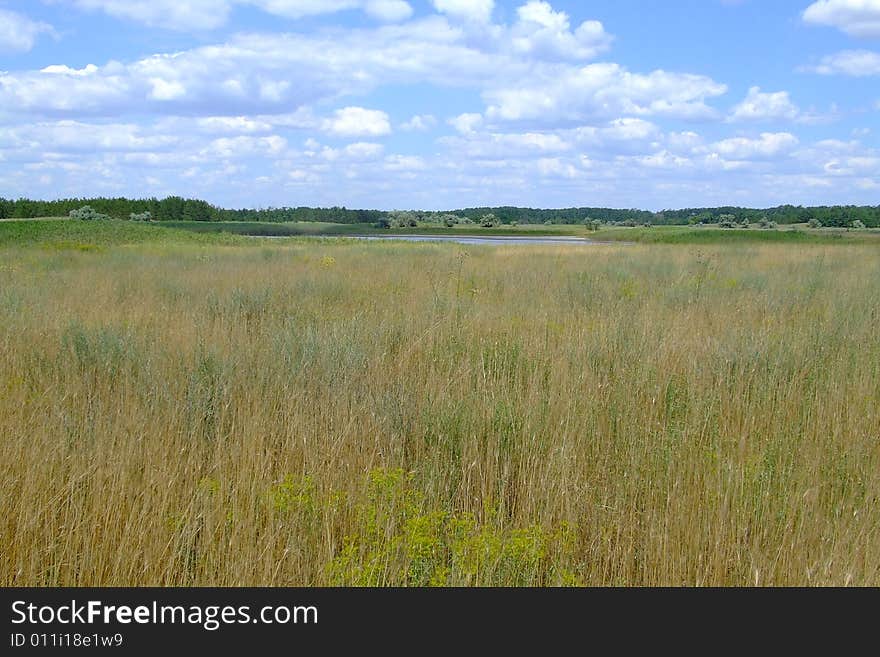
(473, 239)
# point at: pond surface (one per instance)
(473, 239)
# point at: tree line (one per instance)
(175, 208)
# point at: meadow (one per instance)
(182, 409)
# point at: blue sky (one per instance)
(440, 104)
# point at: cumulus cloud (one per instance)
(858, 18)
(385, 10)
(466, 123)
(357, 122)
(855, 63)
(211, 14)
(172, 14)
(769, 144)
(605, 89)
(505, 145)
(479, 11)
(405, 163)
(543, 31)
(18, 33)
(251, 73)
(419, 123)
(244, 147)
(61, 69)
(73, 136)
(760, 106)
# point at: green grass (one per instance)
(694, 235)
(315, 229)
(337, 412)
(79, 235)
(653, 235)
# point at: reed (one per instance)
(408, 414)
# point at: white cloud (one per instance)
(172, 14)
(555, 167)
(358, 122)
(358, 151)
(18, 33)
(602, 90)
(466, 123)
(505, 145)
(405, 163)
(232, 125)
(212, 14)
(363, 151)
(855, 63)
(479, 11)
(243, 146)
(385, 10)
(391, 11)
(770, 144)
(760, 106)
(61, 69)
(419, 123)
(67, 136)
(543, 31)
(859, 18)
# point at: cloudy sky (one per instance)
(439, 104)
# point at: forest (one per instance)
(175, 208)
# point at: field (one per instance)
(207, 409)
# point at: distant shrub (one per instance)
(384, 222)
(744, 223)
(727, 221)
(87, 213)
(141, 216)
(815, 223)
(858, 224)
(488, 221)
(766, 224)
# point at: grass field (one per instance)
(653, 235)
(206, 409)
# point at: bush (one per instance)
(766, 224)
(384, 222)
(488, 221)
(858, 224)
(815, 223)
(86, 213)
(142, 216)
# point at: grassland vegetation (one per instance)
(180, 408)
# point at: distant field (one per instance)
(318, 228)
(707, 235)
(91, 235)
(207, 409)
(655, 235)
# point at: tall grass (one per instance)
(346, 414)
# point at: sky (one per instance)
(443, 104)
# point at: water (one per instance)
(471, 239)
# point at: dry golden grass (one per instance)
(380, 414)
